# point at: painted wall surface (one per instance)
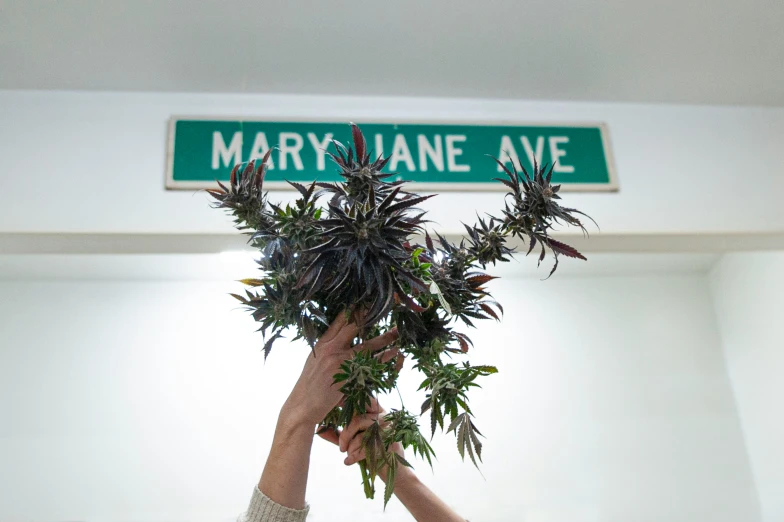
(95, 162)
(748, 290)
(150, 401)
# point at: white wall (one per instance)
(748, 291)
(150, 401)
(94, 162)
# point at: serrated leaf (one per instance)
(563, 248)
(480, 279)
(461, 437)
(455, 422)
(429, 242)
(239, 298)
(268, 344)
(477, 443)
(485, 369)
(435, 290)
(489, 311)
(390, 482)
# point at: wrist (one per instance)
(403, 476)
(293, 419)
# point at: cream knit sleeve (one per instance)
(263, 509)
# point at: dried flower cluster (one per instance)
(350, 246)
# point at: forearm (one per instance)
(285, 474)
(422, 503)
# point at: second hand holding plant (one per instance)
(394, 470)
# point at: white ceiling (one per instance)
(681, 51)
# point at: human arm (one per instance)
(314, 395)
(285, 473)
(418, 499)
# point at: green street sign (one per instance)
(436, 156)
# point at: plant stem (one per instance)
(402, 404)
(369, 490)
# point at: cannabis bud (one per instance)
(351, 245)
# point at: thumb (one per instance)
(329, 434)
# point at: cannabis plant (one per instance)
(353, 246)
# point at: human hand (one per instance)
(422, 503)
(315, 394)
(349, 440)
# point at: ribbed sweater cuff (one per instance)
(264, 509)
